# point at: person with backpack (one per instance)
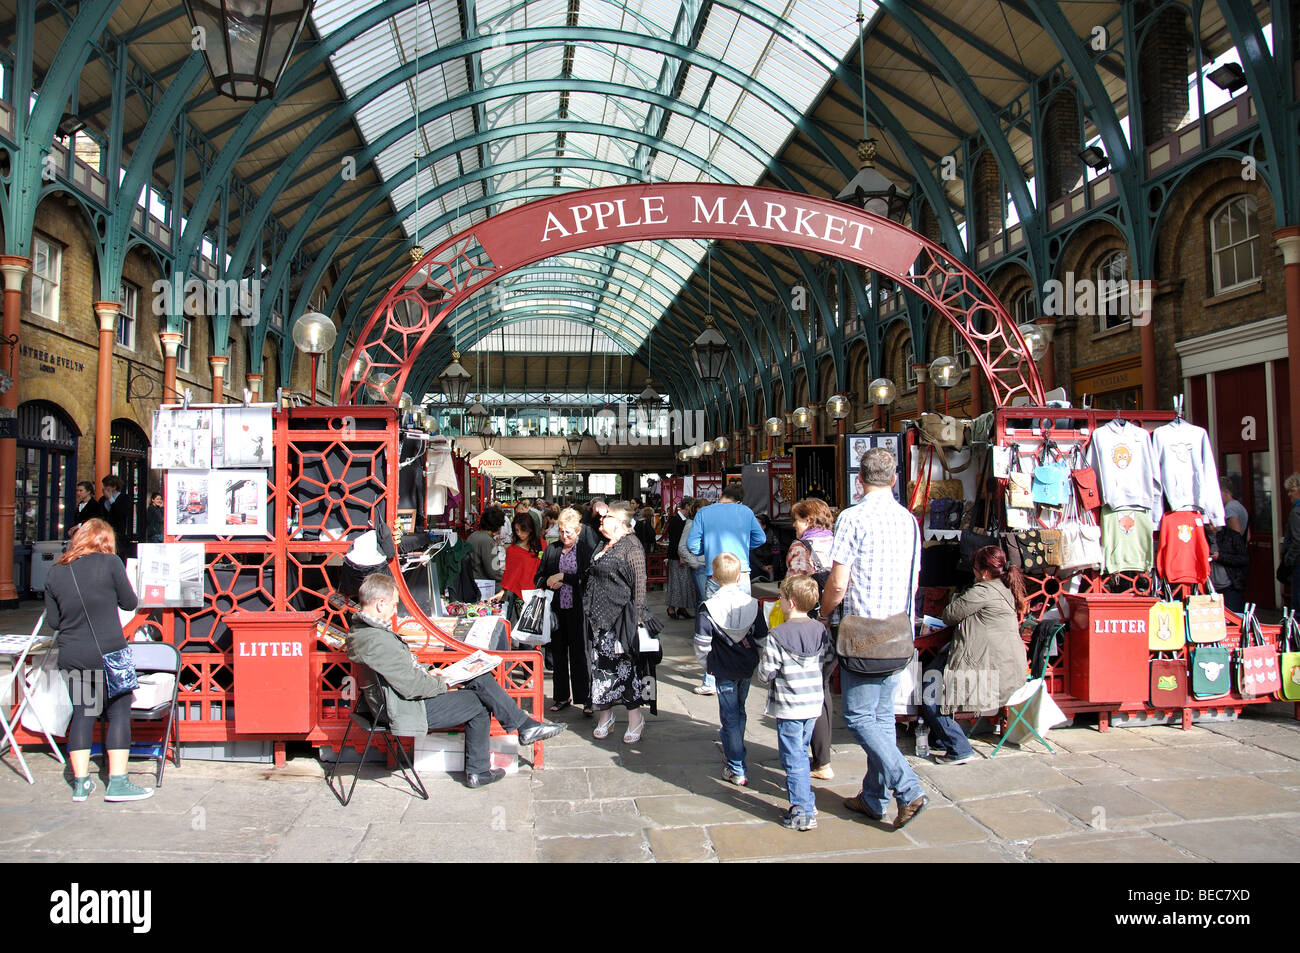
(810, 555)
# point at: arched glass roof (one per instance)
(646, 73)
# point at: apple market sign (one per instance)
(445, 277)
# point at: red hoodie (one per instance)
(1184, 553)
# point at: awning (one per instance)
(499, 466)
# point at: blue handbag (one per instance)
(119, 666)
(1051, 486)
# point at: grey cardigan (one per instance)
(987, 661)
(406, 682)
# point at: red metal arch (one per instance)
(393, 337)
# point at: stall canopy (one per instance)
(498, 466)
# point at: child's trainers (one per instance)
(82, 788)
(796, 819)
(737, 779)
(120, 788)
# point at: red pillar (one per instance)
(106, 311)
(976, 394)
(816, 411)
(841, 428)
(218, 364)
(922, 387)
(1288, 240)
(15, 270)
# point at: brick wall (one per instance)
(987, 189)
(1162, 73)
(1062, 140)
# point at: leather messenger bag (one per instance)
(875, 646)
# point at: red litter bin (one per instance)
(273, 671)
(1107, 647)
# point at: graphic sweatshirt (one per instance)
(1188, 473)
(1126, 468)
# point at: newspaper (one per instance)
(471, 666)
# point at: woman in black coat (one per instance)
(563, 569)
(83, 592)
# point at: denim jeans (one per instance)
(792, 738)
(869, 715)
(711, 585)
(944, 731)
(473, 705)
(731, 712)
(701, 577)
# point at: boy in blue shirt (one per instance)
(731, 627)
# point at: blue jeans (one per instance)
(701, 577)
(869, 715)
(731, 712)
(944, 731)
(792, 739)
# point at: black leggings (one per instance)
(86, 689)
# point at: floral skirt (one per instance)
(614, 676)
(681, 587)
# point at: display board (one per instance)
(855, 445)
(814, 472)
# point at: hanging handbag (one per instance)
(1166, 627)
(1289, 664)
(1084, 479)
(1032, 552)
(1211, 671)
(1257, 661)
(1168, 682)
(119, 665)
(1205, 619)
(1019, 483)
(1051, 479)
(1080, 541)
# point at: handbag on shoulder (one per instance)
(119, 665)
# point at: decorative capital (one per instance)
(254, 383)
(171, 342)
(218, 360)
(15, 268)
(1288, 240)
(107, 311)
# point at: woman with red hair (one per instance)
(83, 592)
(985, 662)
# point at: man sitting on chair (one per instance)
(419, 701)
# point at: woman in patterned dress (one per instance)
(613, 603)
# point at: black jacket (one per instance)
(104, 587)
(1233, 555)
(92, 510)
(550, 565)
(675, 526)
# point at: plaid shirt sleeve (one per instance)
(878, 541)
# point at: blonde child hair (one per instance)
(726, 569)
(800, 590)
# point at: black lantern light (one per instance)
(709, 352)
(247, 43)
(454, 381)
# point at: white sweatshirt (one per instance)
(1188, 473)
(1126, 467)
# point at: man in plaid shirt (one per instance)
(877, 560)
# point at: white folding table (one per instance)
(22, 648)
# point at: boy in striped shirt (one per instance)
(792, 661)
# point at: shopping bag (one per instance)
(1168, 682)
(1080, 540)
(1205, 619)
(1038, 709)
(1165, 626)
(534, 625)
(1257, 661)
(1211, 671)
(49, 705)
(1289, 663)
(906, 691)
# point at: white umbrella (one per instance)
(498, 466)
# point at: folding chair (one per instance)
(19, 647)
(371, 721)
(158, 658)
(1018, 704)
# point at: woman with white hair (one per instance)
(562, 570)
(614, 604)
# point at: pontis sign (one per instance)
(648, 213)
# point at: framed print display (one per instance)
(858, 444)
(217, 503)
(241, 437)
(182, 439)
(170, 575)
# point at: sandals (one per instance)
(603, 727)
(633, 735)
(560, 706)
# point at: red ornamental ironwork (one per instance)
(445, 277)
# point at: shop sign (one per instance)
(48, 363)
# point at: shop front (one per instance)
(44, 482)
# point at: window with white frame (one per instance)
(909, 365)
(1112, 291)
(1023, 309)
(959, 350)
(47, 259)
(129, 299)
(1234, 243)
(183, 351)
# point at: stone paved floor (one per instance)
(1225, 791)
